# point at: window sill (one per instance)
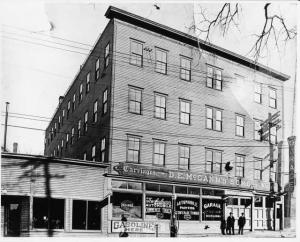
(141, 66)
(221, 131)
(185, 80)
(161, 73)
(185, 124)
(160, 118)
(240, 136)
(45, 230)
(135, 113)
(85, 231)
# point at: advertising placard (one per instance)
(158, 206)
(187, 208)
(147, 227)
(211, 209)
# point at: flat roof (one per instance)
(113, 12)
(53, 159)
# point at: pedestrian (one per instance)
(241, 223)
(223, 225)
(124, 221)
(230, 223)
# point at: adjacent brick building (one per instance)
(167, 112)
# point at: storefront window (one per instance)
(86, 215)
(193, 191)
(269, 202)
(246, 202)
(126, 185)
(48, 213)
(187, 208)
(127, 203)
(158, 206)
(159, 187)
(212, 192)
(258, 201)
(211, 209)
(180, 189)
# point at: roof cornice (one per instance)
(113, 12)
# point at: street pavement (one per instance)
(248, 234)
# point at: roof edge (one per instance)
(114, 12)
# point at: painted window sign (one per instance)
(158, 206)
(187, 208)
(211, 209)
(127, 203)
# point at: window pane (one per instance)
(152, 187)
(181, 189)
(94, 214)
(40, 213)
(135, 185)
(209, 113)
(119, 184)
(166, 188)
(218, 115)
(128, 203)
(79, 214)
(57, 213)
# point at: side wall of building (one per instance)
(237, 97)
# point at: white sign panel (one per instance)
(147, 227)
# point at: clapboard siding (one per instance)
(235, 98)
(65, 180)
(97, 87)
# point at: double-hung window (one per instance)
(88, 81)
(159, 149)
(67, 140)
(80, 93)
(61, 146)
(55, 129)
(161, 61)
(160, 106)
(214, 118)
(239, 125)
(133, 149)
(62, 117)
(258, 169)
(214, 78)
(104, 102)
(73, 103)
(185, 68)
(213, 161)
(72, 135)
(258, 92)
(102, 149)
(95, 112)
(135, 100)
(239, 165)
(272, 98)
(93, 156)
(106, 56)
(185, 111)
(79, 128)
(68, 109)
(257, 128)
(273, 135)
(136, 53)
(273, 171)
(59, 122)
(97, 69)
(85, 123)
(184, 157)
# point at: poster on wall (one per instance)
(211, 209)
(187, 208)
(128, 204)
(158, 206)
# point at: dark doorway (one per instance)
(13, 216)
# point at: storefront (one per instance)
(55, 197)
(146, 194)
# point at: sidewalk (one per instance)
(255, 234)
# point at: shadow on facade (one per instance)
(34, 170)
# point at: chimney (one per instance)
(15, 147)
(60, 99)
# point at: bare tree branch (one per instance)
(274, 27)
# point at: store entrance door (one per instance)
(13, 219)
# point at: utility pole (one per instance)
(268, 129)
(5, 126)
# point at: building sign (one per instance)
(126, 203)
(133, 227)
(187, 208)
(211, 209)
(159, 206)
(139, 171)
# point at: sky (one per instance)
(36, 71)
